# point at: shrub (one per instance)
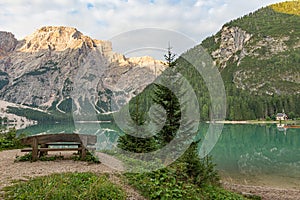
(188, 178)
(9, 140)
(89, 158)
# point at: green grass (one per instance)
(90, 158)
(163, 184)
(67, 186)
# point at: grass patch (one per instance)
(164, 184)
(67, 186)
(76, 157)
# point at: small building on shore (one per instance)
(281, 117)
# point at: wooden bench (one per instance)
(41, 144)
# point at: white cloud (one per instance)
(103, 19)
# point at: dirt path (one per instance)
(10, 170)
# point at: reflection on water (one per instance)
(259, 154)
(256, 154)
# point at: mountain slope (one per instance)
(56, 64)
(258, 56)
(261, 51)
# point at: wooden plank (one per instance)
(61, 137)
(53, 149)
(63, 143)
(26, 150)
(27, 140)
(43, 139)
(61, 149)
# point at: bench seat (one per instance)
(52, 149)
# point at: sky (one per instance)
(104, 19)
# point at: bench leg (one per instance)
(35, 150)
(83, 153)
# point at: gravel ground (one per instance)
(267, 193)
(10, 170)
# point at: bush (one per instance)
(188, 178)
(9, 140)
(191, 168)
(164, 184)
(24, 158)
(89, 158)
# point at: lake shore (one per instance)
(255, 122)
(270, 187)
(266, 192)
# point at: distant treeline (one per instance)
(53, 116)
(40, 116)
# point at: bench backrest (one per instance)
(61, 137)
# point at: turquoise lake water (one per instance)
(259, 154)
(246, 154)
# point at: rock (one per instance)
(8, 43)
(233, 39)
(55, 64)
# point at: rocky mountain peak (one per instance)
(56, 64)
(58, 38)
(8, 43)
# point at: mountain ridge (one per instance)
(55, 64)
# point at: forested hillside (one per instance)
(258, 57)
(263, 77)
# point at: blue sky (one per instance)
(103, 19)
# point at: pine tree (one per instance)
(170, 57)
(133, 139)
(168, 94)
(169, 116)
(165, 97)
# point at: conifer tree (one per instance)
(133, 139)
(165, 97)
